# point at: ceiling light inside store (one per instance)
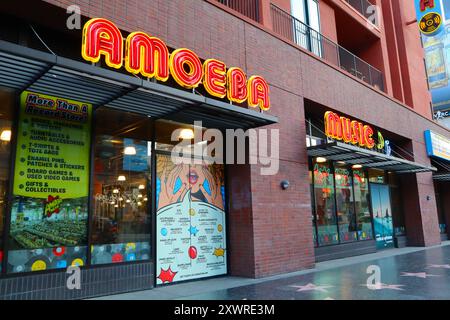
(186, 134)
(130, 151)
(121, 178)
(141, 187)
(116, 191)
(6, 135)
(321, 159)
(340, 162)
(357, 166)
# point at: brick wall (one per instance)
(270, 230)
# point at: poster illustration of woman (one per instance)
(205, 182)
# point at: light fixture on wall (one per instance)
(141, 187)
(284, 184)
(121, 178)
(129, 151)
(5, 135)
(321, 159)
(356, 166)
(186, 134)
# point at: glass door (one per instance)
(382, 215)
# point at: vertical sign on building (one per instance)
(433, 18)
(51, 184)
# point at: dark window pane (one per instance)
(324, 204)
(121, 187)
(363, 217)
(345, 206)
(6, 120)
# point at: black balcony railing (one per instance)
(293, 29)
(249, 8)
(365, 8)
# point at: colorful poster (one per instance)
(191, 235)
(51, 184)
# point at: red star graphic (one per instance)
(166, 275)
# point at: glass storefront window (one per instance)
(313, 218)
(363, 217)
(344, 200)
(396, 205)
(121, 187)
(324, 204)
(6, 120)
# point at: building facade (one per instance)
(93, 185)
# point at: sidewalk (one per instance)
(406, 273)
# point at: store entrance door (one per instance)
(382, 215)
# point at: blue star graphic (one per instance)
(193, 230)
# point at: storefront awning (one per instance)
(338, 151)
(441, 177)
(23, 68)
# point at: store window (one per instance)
(345, 204)
(398, 216)
(49, 211)
(362, 205)
(313, 216)
(121, 207)
(324, 206)
(6, 124)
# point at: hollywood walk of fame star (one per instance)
(422, 275)
(381, 286)
(440, 266)
(312, 287)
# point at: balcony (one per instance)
(363, 7)
(296, 31)
(248, 8)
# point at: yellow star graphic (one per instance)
(219, 252)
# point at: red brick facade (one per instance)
(270, 228)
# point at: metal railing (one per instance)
(363, 7)
(293, 29)
(249, 8)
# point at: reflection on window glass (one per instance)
(364, 220)
(344, 201)
(376, 176)
(121, 188)
(324, 204)
(313, 220)
(397, 212)
(6, 117)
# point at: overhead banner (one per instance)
(190, 223)
(429, 16)
(51, 184)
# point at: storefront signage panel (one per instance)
(51, 184)
(429, 16)
(350, 131)
(437, 145)
(190, 222)
(149, 56)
